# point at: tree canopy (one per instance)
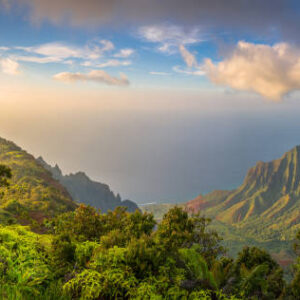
(119, 255)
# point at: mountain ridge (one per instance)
(87, 191)
(270, 190)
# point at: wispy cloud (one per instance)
(170, 37)
(58, 52)
(271, 71)
(173, 39)
(10, 66)
(193, 68)
(124, 53)
(159, 73)
(99, 76)
(114, 63)
(196, 72)
(86, 56)
(106, 46)
(188, 57)
(95, 55)
(37, 59)
(4, 48)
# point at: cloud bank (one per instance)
(99, 76)
(271, 71)
(234, 14)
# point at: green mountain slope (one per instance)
(33, 193)
(84, 190)
(266, 206)
(264, 211)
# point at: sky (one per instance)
(160, 100)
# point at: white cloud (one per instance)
(91, 55)
(38, 59)
(271, 71)
(114, 63)
(196, 72)
(59, 52)
(169, 37)
(106, 46)
(124, 53)
(188, 57)
(95, 75)
(193, 68)
(159, 73)
(10, 66)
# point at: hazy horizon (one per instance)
(155, 152)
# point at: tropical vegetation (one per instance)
(54, 248)
(120, 255)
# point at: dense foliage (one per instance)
(119, 255)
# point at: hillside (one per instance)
(266, 206)
(33, 193)
(84, 190)
(264, 211)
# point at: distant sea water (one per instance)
(170, 158)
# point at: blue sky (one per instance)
(162, 100)
(144, 63)
(151, 54)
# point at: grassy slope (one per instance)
(33, 193)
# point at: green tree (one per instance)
(175, 230)
(258, 275)
(84, 224)
(295, 284)
(178, 230)
(121, 226)
(198, 271)
(5, 175)
(208, 241)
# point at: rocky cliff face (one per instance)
(84, 190)
(269, 195)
